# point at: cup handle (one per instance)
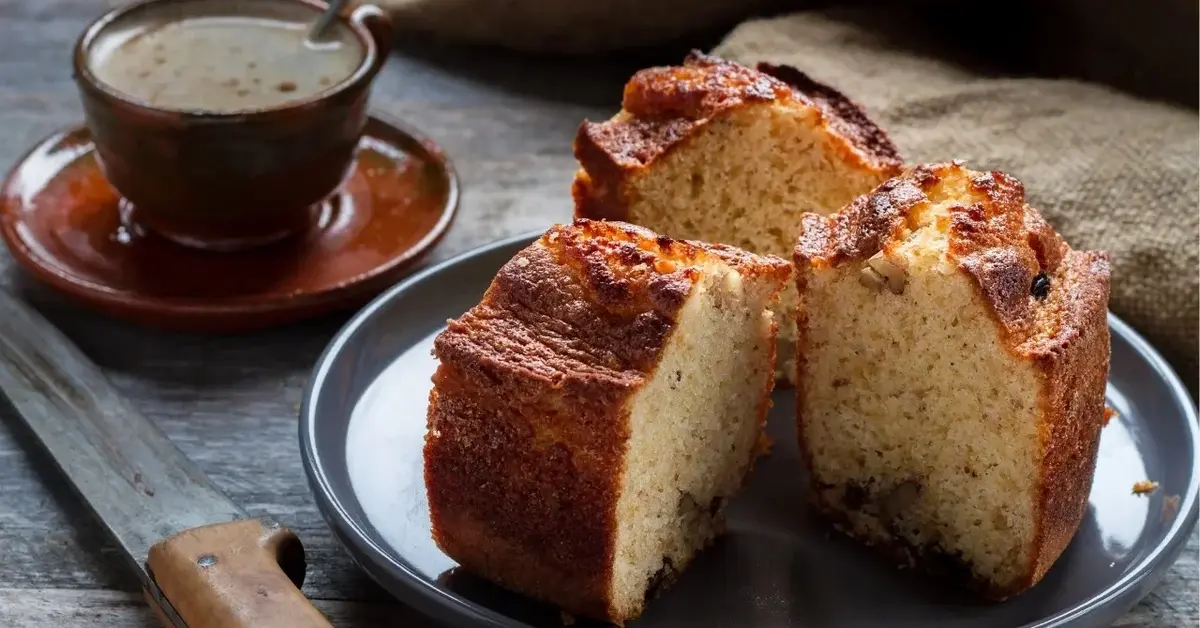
(377, 22)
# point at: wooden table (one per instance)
(231, 403)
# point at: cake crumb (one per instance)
(567, 618)
(1170, 507)
(1109, 415)
(1145, 487)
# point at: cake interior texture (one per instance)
(595, 484)
(695, 430)
(745, 180)
(746, 177)
(926, 433)
(742, 175)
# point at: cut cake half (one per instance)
(952, 362)
(592, 415)
(720, 152)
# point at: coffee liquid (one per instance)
(223, 63)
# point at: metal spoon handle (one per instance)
(331, 13)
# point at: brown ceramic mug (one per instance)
(227, 180)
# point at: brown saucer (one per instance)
(66, 225)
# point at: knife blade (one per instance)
(202, 562)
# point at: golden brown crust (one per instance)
(528, 417)
(844, 116)
(665, 106)
(1049, 302)
(1074, 363)
(861, 228)
(699, 89)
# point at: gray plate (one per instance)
(363, 421)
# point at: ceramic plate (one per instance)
(362, 428)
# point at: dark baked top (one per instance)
(664, 105)
(592, 299)
(842, 115)
(1036, 286)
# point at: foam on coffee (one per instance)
(223, 56)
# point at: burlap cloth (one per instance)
(1109, 171)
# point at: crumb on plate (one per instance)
(1170, 507)
(1145, 487)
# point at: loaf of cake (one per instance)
(951, 367)
(592, 415)
(716, 151)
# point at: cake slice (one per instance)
(592, 415)
(952, 360)
(720, 152)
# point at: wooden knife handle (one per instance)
(241, 574)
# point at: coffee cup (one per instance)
(218, 122)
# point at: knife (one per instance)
(203, 562)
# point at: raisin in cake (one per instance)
(592, 414)
(716, 151)
(953, 355)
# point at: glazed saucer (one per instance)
(68, 227)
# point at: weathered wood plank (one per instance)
(1174, 602)
(38, 608)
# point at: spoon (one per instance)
(323, 22)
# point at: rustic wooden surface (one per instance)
(231, 403)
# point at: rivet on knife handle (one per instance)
(240, 574)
